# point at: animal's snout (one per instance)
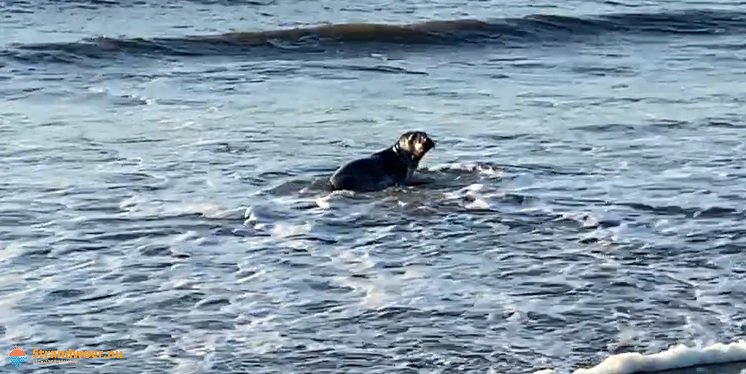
(426, 142)
(430, 143)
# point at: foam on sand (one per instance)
(676, 357)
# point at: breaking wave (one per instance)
(676, 357)
(508, 31)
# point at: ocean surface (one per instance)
(163, 164)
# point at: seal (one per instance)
(393, 166)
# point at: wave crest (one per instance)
(516, 31)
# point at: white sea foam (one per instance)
(487, 170)
(10, 250)
(257, 217)
(325, 202)
(285, 230)
(471, 196)
(137, 206)
(477, 204)
(676, 357)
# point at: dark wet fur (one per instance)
(393, 166)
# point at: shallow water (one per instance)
(161, 190)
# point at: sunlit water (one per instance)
(166, 197)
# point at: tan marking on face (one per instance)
(419, 145)
(416, 143)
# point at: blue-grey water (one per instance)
(163, 166)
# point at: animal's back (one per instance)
(361, 174)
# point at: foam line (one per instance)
(676, 357)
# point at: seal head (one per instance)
(389, 167)
(412, 146)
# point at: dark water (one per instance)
(163, 162)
